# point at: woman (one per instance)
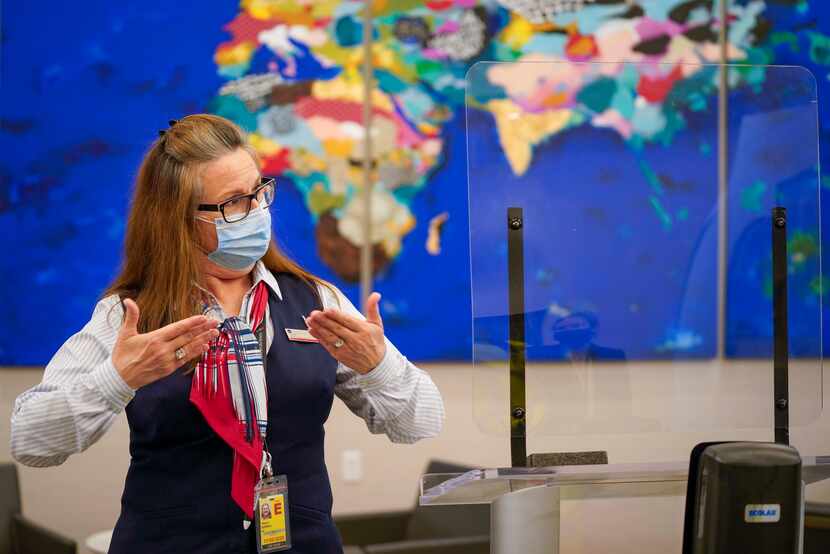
(177, 342)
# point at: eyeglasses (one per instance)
(237, 208)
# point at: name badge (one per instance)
(273, 531)
(300, 335)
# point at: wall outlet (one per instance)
(352, 465)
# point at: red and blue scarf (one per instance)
(230, 391)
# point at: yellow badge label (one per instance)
(272, 519)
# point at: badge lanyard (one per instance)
(273, 529)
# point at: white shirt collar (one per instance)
(262, 273)
(258, 273)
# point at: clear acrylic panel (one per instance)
(646, 192)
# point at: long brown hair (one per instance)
(160, 264)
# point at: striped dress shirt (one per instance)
(82, 393)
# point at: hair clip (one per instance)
(171, 123)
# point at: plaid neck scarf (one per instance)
(229, 390)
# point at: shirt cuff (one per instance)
(111, 385)
(383, 373)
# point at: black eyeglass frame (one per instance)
(220, 207)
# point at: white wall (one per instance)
(82, 496)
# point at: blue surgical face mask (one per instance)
(243, 243)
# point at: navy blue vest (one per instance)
(177, 491)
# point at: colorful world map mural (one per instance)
(75, 122)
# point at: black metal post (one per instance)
(516, 338)
(779, 321)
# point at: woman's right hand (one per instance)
(141, 358)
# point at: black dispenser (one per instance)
(749, 496)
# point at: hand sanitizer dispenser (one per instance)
(744, 497)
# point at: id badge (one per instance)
(273, 531)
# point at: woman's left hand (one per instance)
(353, 342)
